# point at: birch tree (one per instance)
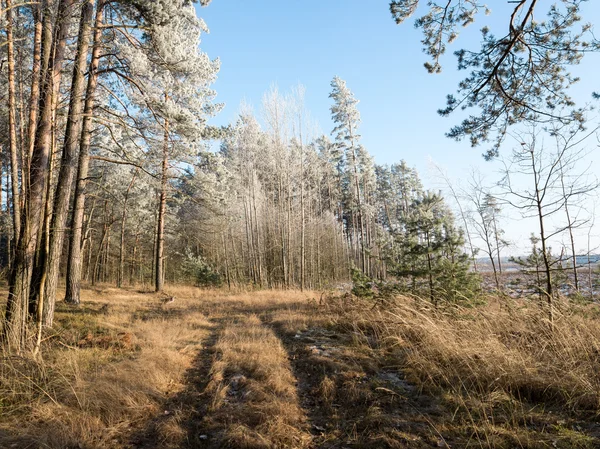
(546, 194)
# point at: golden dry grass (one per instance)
(510, 377)
(102, 372)
(276, 369)
(110, 367)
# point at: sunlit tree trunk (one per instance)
(159, 280)
(74, 260)
(121, 273)
(31, 224)
(36, 72)
(68, 164)
(12, 122)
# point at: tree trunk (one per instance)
(106, 258)
(133, 259)
(302, 221)
(249, 248)
(39, 282)
(67, 167)
(547, 268)
(259, 257)
(18, 299)
(227, 276)
(159, 280)
(430, 272)
(12, 123)
(497, 238)
(36, 72)
(74, 261)
(488, 243)
(101, 248)
(570, 223)
(121, 273)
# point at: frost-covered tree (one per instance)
(121, 82)
(166, 99)
(485, 223)
(346, 117)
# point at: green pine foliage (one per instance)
(197, 269)
(428, 257)
(362, 285)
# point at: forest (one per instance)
(171, 283)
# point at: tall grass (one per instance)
(104, 370)
(498, 365)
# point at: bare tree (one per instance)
(464, 214)
(485, 223)
(570, 177)
(545, 197)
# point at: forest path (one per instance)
(186, 408)
(279, 374)
(257, 370)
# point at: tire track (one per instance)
(349, 398)
(180, 425)
(250, 394)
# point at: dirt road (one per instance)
(284, 374)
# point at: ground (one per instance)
(267, 369)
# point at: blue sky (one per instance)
(261, 43)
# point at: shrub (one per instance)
(199, 270)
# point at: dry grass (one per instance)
(273, 369)
(119, 370)
(104, 371)
(508, 376)
(253, 391)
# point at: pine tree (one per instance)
(519, 76)
(429, 252)
(346, 117)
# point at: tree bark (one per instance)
(68, 165)
(31, 223)
(570, 223)
(12, 123)
(121, 273)
(35, 75)
(302, 221)
(545, 256)
(74, 261)
(159, 281)
(133, 259)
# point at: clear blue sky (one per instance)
(261, 43)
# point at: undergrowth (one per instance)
(509, 376)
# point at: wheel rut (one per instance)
(259, 382)
(180, 423)
(351, 399)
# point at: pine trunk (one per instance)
(31, 224)
(74, 261)
(12, 123)
(68, 164)
(121, 273)
(159, 280)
